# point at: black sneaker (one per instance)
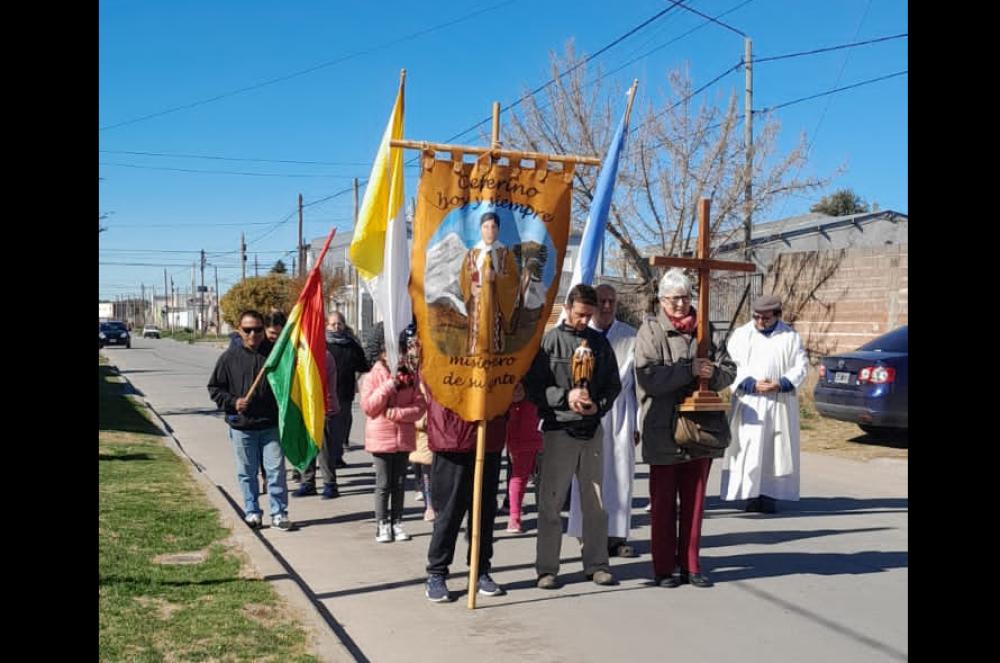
(329, 492)
(436, 590)
(489, 588)
(304, 490)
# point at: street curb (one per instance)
(323, 641)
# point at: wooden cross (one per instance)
(704, 399)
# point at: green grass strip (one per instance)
(150, 506)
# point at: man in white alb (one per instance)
(761, 464)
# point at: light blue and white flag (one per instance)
(600, 206)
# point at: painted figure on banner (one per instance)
(489, 241)
(490, 284)
(486, 279)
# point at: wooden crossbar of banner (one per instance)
(510, 154)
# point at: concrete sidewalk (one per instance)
(823, 580)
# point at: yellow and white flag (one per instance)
(379, 249)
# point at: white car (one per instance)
(151, 332)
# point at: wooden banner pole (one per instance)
(495, 141)
(260, 374)
(477, 513)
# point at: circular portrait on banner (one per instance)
(487, 273)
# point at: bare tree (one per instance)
(678, 151)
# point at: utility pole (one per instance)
(357, 277)
(190, 298)
(166, 300)
(301, 252)
(255, 265)
(218, 319)
(201, 296)
(243, 257)
(142, 298)
(173, 302)
(748, 146)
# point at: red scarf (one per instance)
(686, 324)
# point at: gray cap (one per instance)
(766, 303)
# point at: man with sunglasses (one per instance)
(762, 463)
(253, 422)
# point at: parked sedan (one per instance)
(868, 386)
(114, 332)
(150, 331)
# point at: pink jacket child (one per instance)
(524, 441)
(392, 404)
(390, 414)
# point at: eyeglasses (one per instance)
(677, 299)
(252, 330)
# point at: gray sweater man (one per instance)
(571, 415)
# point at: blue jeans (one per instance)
(250, 447)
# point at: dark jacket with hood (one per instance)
(231, 379)
(551, 378)
(350, 359)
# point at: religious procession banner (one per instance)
(488, 248)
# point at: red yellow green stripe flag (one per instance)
(296, 370)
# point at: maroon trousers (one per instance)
(666, 482)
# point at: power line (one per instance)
(156, 264)
(713, 20)
(772, 58)
(302, 72)
(664, 45)
(674, 4)
(833, 91)
(688, 97)
(201, 225)
(195, 251)
(630, 32)
(411, 165)
(221, 158)
(223, 172)
(187, 225)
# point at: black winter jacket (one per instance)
(550, 380)
(233, 374)
(350, 360)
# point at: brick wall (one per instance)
(839, 300)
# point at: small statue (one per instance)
(583, 366)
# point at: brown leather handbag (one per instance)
(705, 432)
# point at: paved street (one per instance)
(824, 580)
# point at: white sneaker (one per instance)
(398, 534)
(384, 532)
(281, 522)
(253, 520)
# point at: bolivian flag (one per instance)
(296, 369)
(380, 249)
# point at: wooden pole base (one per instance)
(703, 401)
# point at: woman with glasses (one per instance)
(667, 369)
(762, 463)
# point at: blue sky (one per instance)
(459, 57)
